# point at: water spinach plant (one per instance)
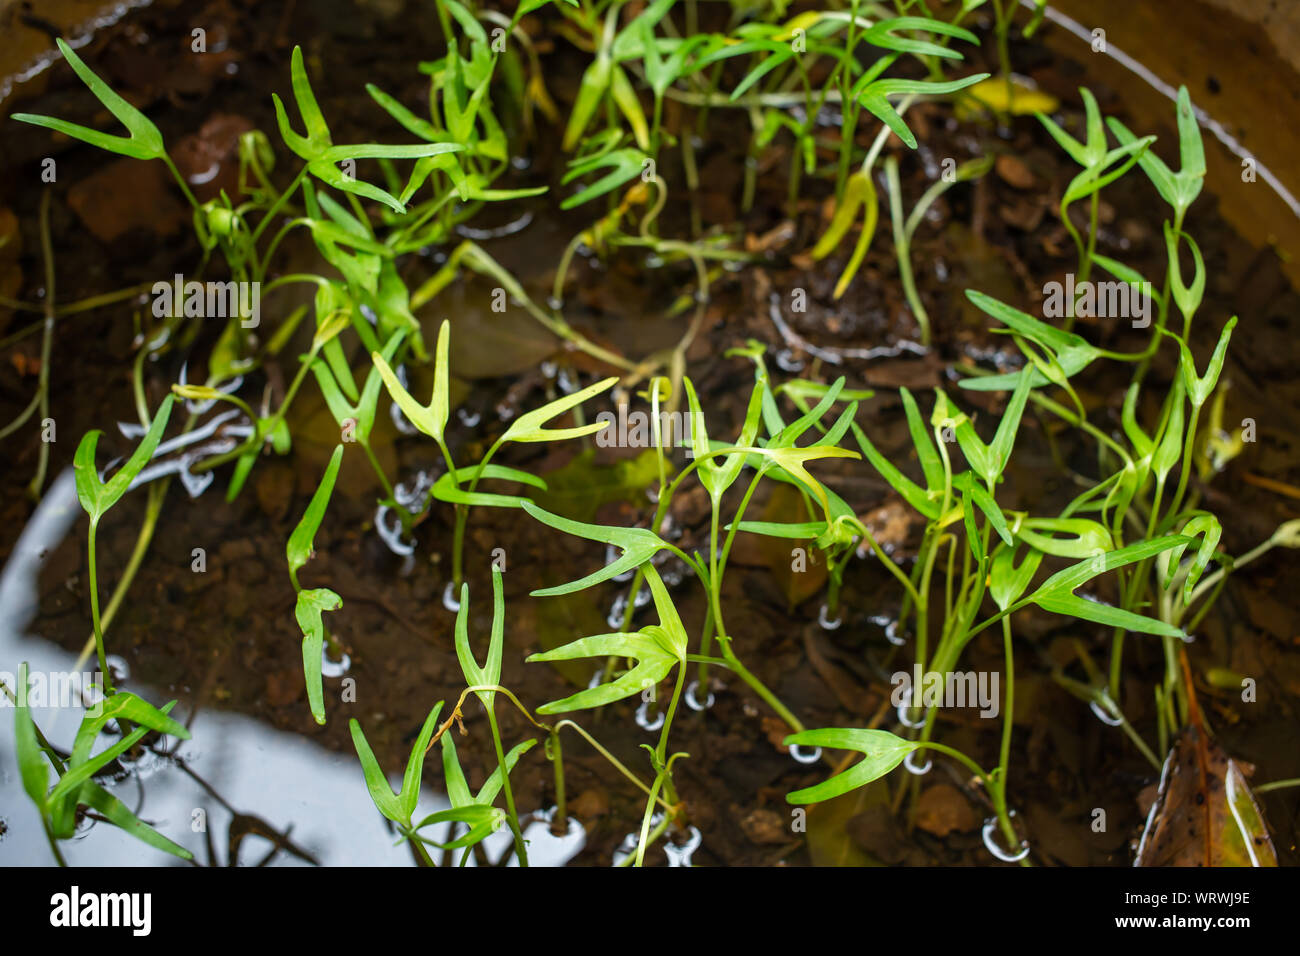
(1137, 526)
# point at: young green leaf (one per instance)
(792, 459)
(1006, 581)
(912, 493)
(528, 426)
(718, 477)
(881, 750)
(458, 788)
(432, 418)
(482, 821)
(145, 141)
(120, 815)
(874, 96)
(990, 461)
(448, 486)
(1086, 538)
(97, 497)
(1178, 189)
(32, 766)
(299, 549)
(1187, 297)
(656, 649)
(1056, 594)
(883, 34)
(397, 807)
(335, 381)
(1200, 388)
(490, 672)
(638, 545)
(322, 155)
(624, 165)
(311, 605)
(78, 772)
(1073, 352)
(1206, 527)
(595, 81)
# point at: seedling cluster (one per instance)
(1137, 523)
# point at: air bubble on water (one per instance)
(369, 314)
(990, 844)
(595, 678)
(692, 702)
(118, 668)
(891, 628)
(545, 846)
(549, 368)
(910, 766)
(499, 232)
(612, 555)
(652, 494)
(670, 530)
(554, 303)
(642, 598)
(194, 484)
(681, 855)
(391, 532)
(629, 844)
(412, 496)
(400, 421)
(645, 721)
(786, 361)
(467, 418)
(615, 616)
(824, 620)
(334, 668)
(677, 855)
(801, 755)
(449, 600)
(904, 706)
(565, 382)
(1104, 717)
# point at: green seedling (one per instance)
(98, 497)
(75, 785)
(1101, 167)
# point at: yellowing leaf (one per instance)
(1015, 97)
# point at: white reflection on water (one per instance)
(287, 781)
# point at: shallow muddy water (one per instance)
(274, 787)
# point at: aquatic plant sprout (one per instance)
(1138, 528)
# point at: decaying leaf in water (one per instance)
(1204, 814)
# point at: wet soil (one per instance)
(226, 639)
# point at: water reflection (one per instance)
(237, 792)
